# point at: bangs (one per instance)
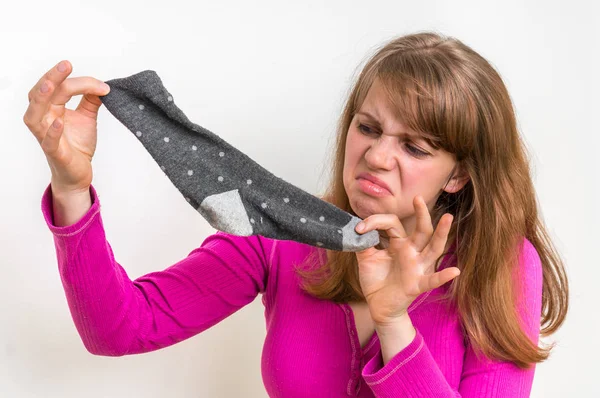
(412, 91)
(425, 97)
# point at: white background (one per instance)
(270, 78)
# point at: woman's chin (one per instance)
(366, 206)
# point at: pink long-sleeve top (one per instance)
(311, 347)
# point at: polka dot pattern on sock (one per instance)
(220, 179)
(248, 182)
(225, 205)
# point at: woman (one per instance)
(446, 305)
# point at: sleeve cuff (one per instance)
(88, 217)
(412, 372)
(374, 371)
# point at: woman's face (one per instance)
(380, 145)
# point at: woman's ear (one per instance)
(458, 181)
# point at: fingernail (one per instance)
(44, 88)
(360, 226)
(62, 67)
(106, 87)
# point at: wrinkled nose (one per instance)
(380, 155)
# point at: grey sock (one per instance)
(231, 191)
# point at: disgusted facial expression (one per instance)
(400, 160)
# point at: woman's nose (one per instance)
(380, 155)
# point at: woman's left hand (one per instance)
(392, 278)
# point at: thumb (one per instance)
(368, 252)
(89, 105)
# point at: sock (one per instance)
(231, 191)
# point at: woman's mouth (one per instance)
(372, 189)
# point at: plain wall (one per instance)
(269, 77)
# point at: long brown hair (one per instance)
(442, 87)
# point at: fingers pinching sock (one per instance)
(231, 191)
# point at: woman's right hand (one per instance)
(67, 137)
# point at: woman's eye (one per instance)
(415, 151)
(365, 129)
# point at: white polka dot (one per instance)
(249, 182)
(220, 179)
(261, 220)
(169, 98)
(141, 107)
(221, 154)
(339, 231)
(166, 139)
(194, 147)
(252, 220)
(138, 133)
(303, 219)
(190, 172)
(321, 218)
(162, 168)
(286, 200)
(319, 244)
(264, 205)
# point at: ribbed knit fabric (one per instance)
(311, 347)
